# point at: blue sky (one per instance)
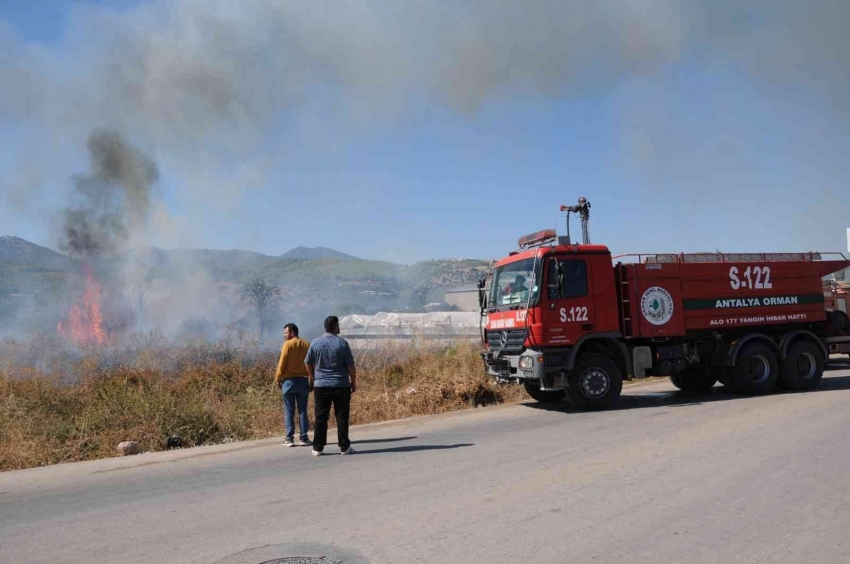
(698, 154)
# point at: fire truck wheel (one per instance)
(756, 370)
(802, 369)
(694, 380)
(596, 381)
(543, 396)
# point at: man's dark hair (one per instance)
(331, 321)
(293, 328)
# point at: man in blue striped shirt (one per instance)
(333, 378)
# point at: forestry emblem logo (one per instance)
(657, 305)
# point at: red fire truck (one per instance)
(567, 320)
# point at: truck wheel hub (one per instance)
(594, 382)
(806, 366)
(759, 369)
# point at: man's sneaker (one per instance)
(317, 452)
(289, 443)
(349, 450)
(305, 442)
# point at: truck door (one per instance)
(569, 310)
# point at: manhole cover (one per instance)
(302, 560)
(297, 553)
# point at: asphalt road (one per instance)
(665, 478)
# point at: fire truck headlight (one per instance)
(526, 362)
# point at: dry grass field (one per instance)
(63, 406)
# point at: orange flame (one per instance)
(84, 323)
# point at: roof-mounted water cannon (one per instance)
(583, 209)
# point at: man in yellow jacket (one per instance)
(291, 378)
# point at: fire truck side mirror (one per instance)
(556, 279)
(482, 294)
(561, 276)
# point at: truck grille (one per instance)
(515, 340)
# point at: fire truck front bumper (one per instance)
(527, 365)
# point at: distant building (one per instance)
(464, 297)
(436, 328)
(376, 293)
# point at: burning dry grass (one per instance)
(208, 397)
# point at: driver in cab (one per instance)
(516, 288)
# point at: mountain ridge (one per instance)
(316, 253)
(200, 291)
(330, 277)
(15, 250)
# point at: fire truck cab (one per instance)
(542, 302)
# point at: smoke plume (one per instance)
(180, 69)
(112, 202)
(211, 83)
(220, 89)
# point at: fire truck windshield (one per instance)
(514, 283)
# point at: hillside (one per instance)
(14, 250)
(316, 253)
(445, 273)
(221, 266)
(169, 288)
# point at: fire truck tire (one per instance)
(595, 382)
(756, 370)
(693, 380)
(543, 396)
(802, 368)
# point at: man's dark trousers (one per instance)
(340, 398)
